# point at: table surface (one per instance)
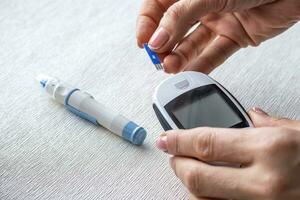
(48, 153)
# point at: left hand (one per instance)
(269, 154)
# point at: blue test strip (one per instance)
(154, 57)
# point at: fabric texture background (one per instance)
(48, 153)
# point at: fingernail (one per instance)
(158, 39)
(163, 134)
(161, 143)
(259, 111)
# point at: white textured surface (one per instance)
(48, 153)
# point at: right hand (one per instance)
(269, 154)
(226, 26)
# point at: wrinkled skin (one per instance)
(269, 155)
(270, 152)
(226, 26)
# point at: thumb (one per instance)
(180, 17)
(262, 119)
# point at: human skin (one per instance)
(226, 26)
(269, 155)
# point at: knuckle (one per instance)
(175, 12)
(229, 4)
(218, 5)
(176, 144)
(192, 181)
(282, 141)
(204, 145)
(278, 121)
(273, 186)
(191, 43)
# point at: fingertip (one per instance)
(253, 116)
(172, 63)
(201, 64)
(144, 30)
(257, 111)
(161, 143)
(139, 44)
(172, 162)
(259, 117)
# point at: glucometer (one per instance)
(193, 99)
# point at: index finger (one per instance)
(204, 180)
(149, 17)
(212, 144)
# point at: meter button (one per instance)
(182, 84)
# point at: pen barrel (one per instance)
(84, 105)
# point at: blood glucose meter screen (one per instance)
(209, 109)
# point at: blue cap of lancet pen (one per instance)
(134, 133)
(86, 107)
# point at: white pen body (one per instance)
(85, 106)
(109, 119)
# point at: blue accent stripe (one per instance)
(134, 133)
(153, 56)
(78, 112)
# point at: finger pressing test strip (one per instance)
(154, 58)
(85, 106)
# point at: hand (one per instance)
(226, 26)
(269, 155)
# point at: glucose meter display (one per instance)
(204, 107)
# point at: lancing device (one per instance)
(85, 106)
